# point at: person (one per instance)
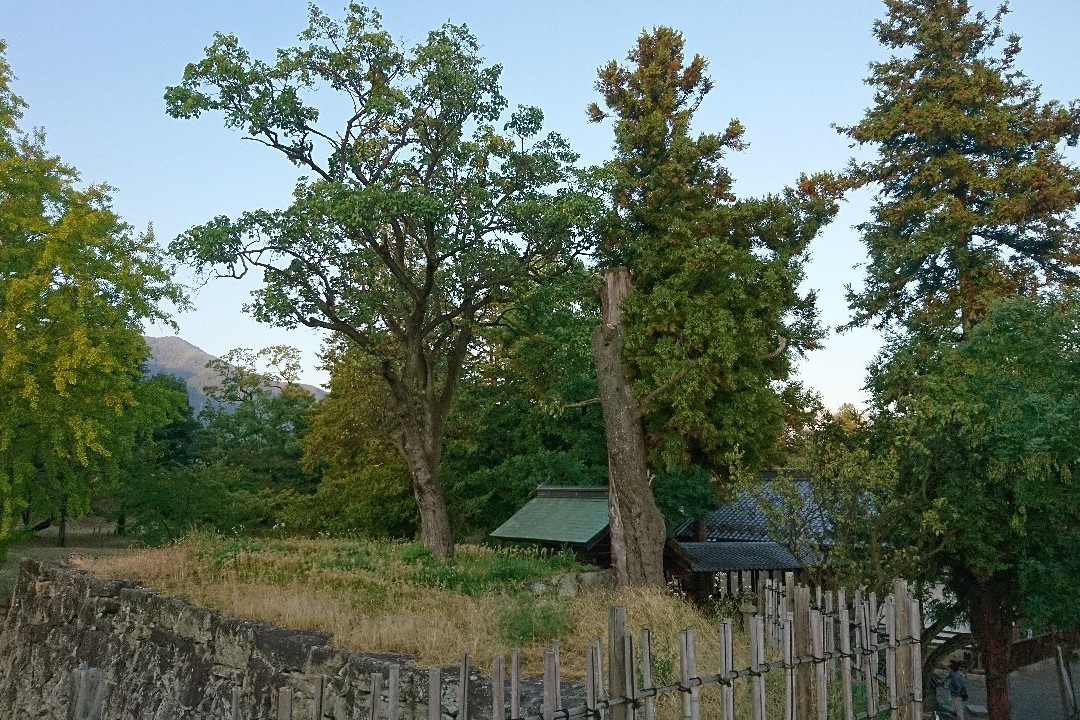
(957, 688)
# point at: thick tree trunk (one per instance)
(435, 530)
(636, 524)
(991, 620)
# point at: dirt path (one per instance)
(1034, 690)
(89, 536)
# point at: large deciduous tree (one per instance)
(975, 204)
(416, 217)
(75, 284)
(697, 367)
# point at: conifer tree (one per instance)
(696, 369)
(974, 213)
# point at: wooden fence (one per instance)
(826, 656)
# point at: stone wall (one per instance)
(162, 655)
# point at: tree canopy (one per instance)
(416, 217)
(973, 234)
(76, 283)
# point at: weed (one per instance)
(414, 553)
(527, 620)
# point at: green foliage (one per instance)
(974, 198)
(483, 574)
(986, 456)
(75, 285)
(419, 219)
(716, 279)
(970, 452)
(510, 430)
(365, 488)
(529, 619)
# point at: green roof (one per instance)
(571, 515)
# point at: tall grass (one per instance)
(395, 597)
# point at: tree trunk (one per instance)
(430, 501)
(636, 524)
(421, 447)
(991, 620)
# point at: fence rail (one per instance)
(835, 659)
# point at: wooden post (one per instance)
(915, 632)
(869, 628)
(395, 693)
(463, 687)
(434, 688)
(829, 629)
(284, 704)
(317, 697)
(646, 672)
(845, 652)
(498, 702)
(601, 691)
(549, 685)
(891, 676)
(590, 678)
(515, 683)
(757, 659)
(617, 660)
(874, 625)
(804, 671)
(629, 676)
(684, 675)
(694, 695)
(786, 644)
(817, 644)
(727, 689)
(376, 696)
(902, 629)
(558, 674)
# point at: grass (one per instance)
(86, 537)
(395, 597)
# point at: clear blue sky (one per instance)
(94, 73)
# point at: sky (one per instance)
(93, 74)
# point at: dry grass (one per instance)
(393, 598)
(373, 598)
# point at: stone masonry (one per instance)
(163, 656)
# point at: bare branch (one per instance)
(781, 344)
(583, 403)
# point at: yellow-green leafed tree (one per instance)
(75, 285)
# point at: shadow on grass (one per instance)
(86, 536)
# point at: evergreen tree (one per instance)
(975, 206)
(698, 369)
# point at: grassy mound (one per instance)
(395, 597)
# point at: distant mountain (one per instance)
(175, 356)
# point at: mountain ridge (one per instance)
(172, 355)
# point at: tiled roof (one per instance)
(559, 514)
(737, 556)
(743, 520)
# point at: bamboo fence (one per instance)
(839, 657)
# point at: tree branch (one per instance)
(779, 348)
